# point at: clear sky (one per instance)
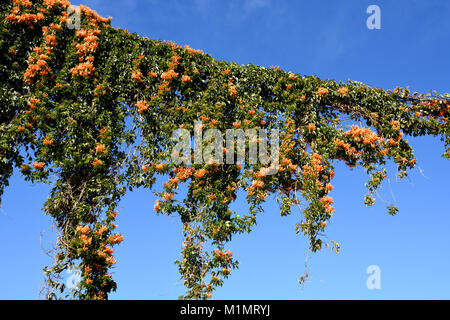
(329, 39)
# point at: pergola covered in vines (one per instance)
(91, 110)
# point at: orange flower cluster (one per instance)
(102, 230)
(327, 201)
(169, 75)
(37, 65)
(160, 167)
(89, 44)
(185, 78)
(48, 142)
(87, 241)
(16, 17)
(105, 252)
(258, 184)
(173, 182)
(38, 61)
(84, 69)
(83, 229)
(54, 3)
(168, 196)
(93, 15)
(343, 91)
(192, 51)
(33, 102)
(115, 238)
(322, 91)
(38, 165)
(316, 167)
(184, 173)
(137, 75)
(200, 173)
(344, 145)
(225, 255)
(395, 125)
(233, 91)
(100, 148)
(157, 205)
(364, 135)
(97, 163)
(142, 106)
(113, 214)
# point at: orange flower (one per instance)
(292, 76)
(157, 205)
(97, 163)
(160, 167)
(48, 142)
(331, 173)
(233, 91)
(83, 230)
(200, 173)
(102, 229)
(169, 75)
(136, 75)
(311, 127)
(185, 78)
(343, 91)
(38, 165)
(395, 125)
(83, 69)
(100, 148)
(152, 74)
(20, 128)
(322, 91)
(142, 106)
(258, 184)
(168, 196)
(326, 200)
(115, 238)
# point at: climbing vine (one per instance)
(91, 111)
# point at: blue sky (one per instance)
(329, 40)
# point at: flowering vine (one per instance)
(92, 111)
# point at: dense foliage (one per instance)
(91, 110)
